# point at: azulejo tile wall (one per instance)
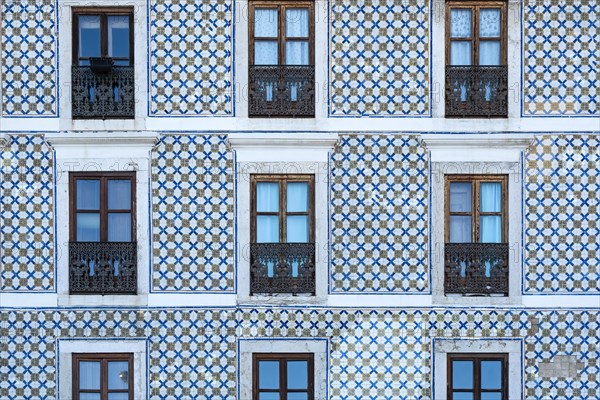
(562, 215)
(373, 354)
(379, 58)
(560, 57)
(27, 214)
(379, 214)
(193, 214)
(191, 44)
(28, 43)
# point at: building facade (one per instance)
(260, 200)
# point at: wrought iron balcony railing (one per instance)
(103, 95)
(103, 268)
(281, 91)
(476, 269)
(477, 91)
(282, 268)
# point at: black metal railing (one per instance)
(476, 269)
(477, 91)
(103, 268)
(282, 268)
(281, 91)
(103, 95)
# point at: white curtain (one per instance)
(88, 227)
(490, 230)
(297, 229)
(489, 23)
(460, 23)
(460, 229)
(460, 197)
(297, 197)
(88, 194)
(296, 53)
(119, 227)
(296, 22)
(490, 197)
(89, 375)
(265, 26)
(119, 194)
(265, 52)
(489, 53)
(267, 197)
(460, 53)
(117, 370)
(267, 229)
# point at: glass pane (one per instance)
(296, 53)
(268, 374)
(297, 396)
(297, 229)
(88, 227)
(462, 374)
(490, 230)
(118, 375)
(89, 375)
(119, 194)
(265, 22)
(462, 396)
(296, 22)
(460, 197)
(489, 52)
(118, 36)
(118, 396)
(489, 22)
(119, 227)
(491, 374)
(491, 396)
(297, 197)
(265, 52)
(297, 375)
(89, 396)
(460, 229)
(460, 53)
(490, 197)
(89, 36)
(267, 229)
(268, 396)
(267, 197)
(460, 23)
(88, 194)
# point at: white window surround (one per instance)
(319, 347)
(511, 346)
(66, 347)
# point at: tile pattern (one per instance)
(562, 216)
(28, 37)
(191, 60)
(379, 214)
(192, 214)
(560, 57)
(374, 354)
(379, 58)
(27, 215)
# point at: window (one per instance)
(103, 376)
(477, 377)
(283, 248)
(102, 248)
(476, 73)
(281, 58)
(476, 250)
(283, 376)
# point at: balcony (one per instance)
(282, 268)
(477, 91)
(103, 268)
(281, 91)
(109, 95)
(479, 269)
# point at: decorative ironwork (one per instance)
(282, 268)
(109, 95)
(281, 91)
(477, 91)
(476, 268)
(103, 267)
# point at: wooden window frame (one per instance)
(283, 213)
(103, 358)
(475, 6)
(103, 13)
(281, 38)
(104, 177)
(475, 214)
(283, 358)
(477, 358)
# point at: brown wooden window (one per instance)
(102, 33)
(102, 207)
(477, 377)
(103, 376)
(283, 376)
(476, 208)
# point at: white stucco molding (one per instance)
(477, 147)
(282, 147)
(441, 347)
(66, 347)
(319, 347)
